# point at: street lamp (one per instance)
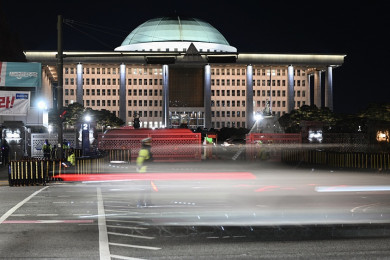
(258, 118)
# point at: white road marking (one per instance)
(125, 221)
(17, 206)
(111, 226)
(125, 257)
(120, 211)
(351, 188)
(47, 215)
(364, 206)
(129, 235)
(135, 246)
(104, 249)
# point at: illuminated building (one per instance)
(173, 71)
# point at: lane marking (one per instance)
(129, 235)
(351, 188)
(119, 211)
(135, 246)
(46, 221)
(126, 221)
(125, 257)
(47, 215)
(17, 206)
(111, 226)
(104, 249)
(365, 207)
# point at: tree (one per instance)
(291, 121)
(376, 112)
(74, 114)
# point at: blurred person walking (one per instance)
(143, 159)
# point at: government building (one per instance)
(175, 71)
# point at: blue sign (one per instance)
(20, 74)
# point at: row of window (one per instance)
(158, 103)
(140, 103)
(227, 113)
(264, 83)
(256, 72)
(158, 71)
(222, 124)
(115, 71)
(156, 92)
(93, 92)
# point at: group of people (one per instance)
(52, 153)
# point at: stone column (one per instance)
(250, 119)
(207, 96)
(290, 89)
(329, 88)
(79, 83)
(165, 96)
(317, 88)
(122, 93)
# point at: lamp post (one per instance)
(258, 118)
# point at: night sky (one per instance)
(360, 31)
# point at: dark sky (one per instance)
(360, 31)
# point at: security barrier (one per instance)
(39, 172)
(119, 155)
(167, 144)
(375, 161)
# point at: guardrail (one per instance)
(376, 161)
(39, 172)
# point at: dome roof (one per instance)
(171, 30)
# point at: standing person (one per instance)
(72, 157)
(144, 157)
(46, 150)
(54, 153)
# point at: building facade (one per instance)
(173, 71)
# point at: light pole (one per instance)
(258, 118)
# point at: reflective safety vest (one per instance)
(143, 156)
(72, 159)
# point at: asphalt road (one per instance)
(211, 209)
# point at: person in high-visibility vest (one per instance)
(144, 157)
(71, 158)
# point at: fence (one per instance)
(269, 145)
(38, 171)
(377, 161)
(167, 144)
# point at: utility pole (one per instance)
(60, 64)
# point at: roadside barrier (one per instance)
(375, 161)
(39, 171)
(27, 172)
(119, 155)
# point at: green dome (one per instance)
(165, 29)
